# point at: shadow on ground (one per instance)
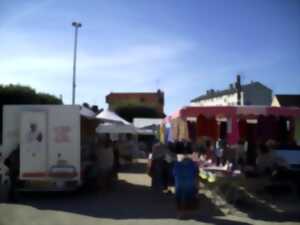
(258, 208)
(258, 211)
(137, 168)
(126, 201)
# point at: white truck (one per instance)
(50, 146)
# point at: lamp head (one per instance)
(76, 24)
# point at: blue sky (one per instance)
(183, 47)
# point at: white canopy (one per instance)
(112, 117)
(87, 112)
(115, 128)
(146, 122)
(142, 131)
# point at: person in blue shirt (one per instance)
(186, 187)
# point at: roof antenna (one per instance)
(157, 83)
(239, 89)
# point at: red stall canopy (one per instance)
(232, 111)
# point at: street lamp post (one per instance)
(76, 25)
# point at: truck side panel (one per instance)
(63, 137)
(33, 145)
(11, 126)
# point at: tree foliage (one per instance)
(17, 95)
(130, 112)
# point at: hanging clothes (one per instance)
(223, 130)
(229, 126)
(291, 131)
(175, 129)
(297, 131)
(283, 130)
(243, 129)
(251, 133)
(260, 129)
(179, 130)
(170, 134)
(270, 128)
(233, 136)
(202, 128)
(166, 133)
(267, 128)
(162, 133)
(157, 132)
(183, 130)
(213, 129)
(272, 122)
(192, 128)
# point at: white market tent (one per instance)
(114, 124)
(85, 112)
(111, 117)
(116, 128)
(142, 131)
(146, 122)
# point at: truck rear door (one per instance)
(33, 145)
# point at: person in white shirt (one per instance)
(219, 151)
(105, 162)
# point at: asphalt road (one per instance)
(131, 202)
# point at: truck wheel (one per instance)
(5, 190)
(14, 195)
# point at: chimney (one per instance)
(210, 92)
(239, 89)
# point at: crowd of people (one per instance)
(110, 154)
(177, 165)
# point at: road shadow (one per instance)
(125, 201)
(258, 211)
(136, 168)
(258, 207)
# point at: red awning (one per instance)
(231, 111)
(213, 111)
(284, 111)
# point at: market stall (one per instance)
(230, 122)
(254, 125)
(254, 129)
(111, 117)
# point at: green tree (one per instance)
(18, 94)
(129, 112)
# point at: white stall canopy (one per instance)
(116, 128)
(85, 112)
(111, 117)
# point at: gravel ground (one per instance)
(131, 202)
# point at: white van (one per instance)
(49, 145)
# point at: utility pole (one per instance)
(76, 25)
(239, 89)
